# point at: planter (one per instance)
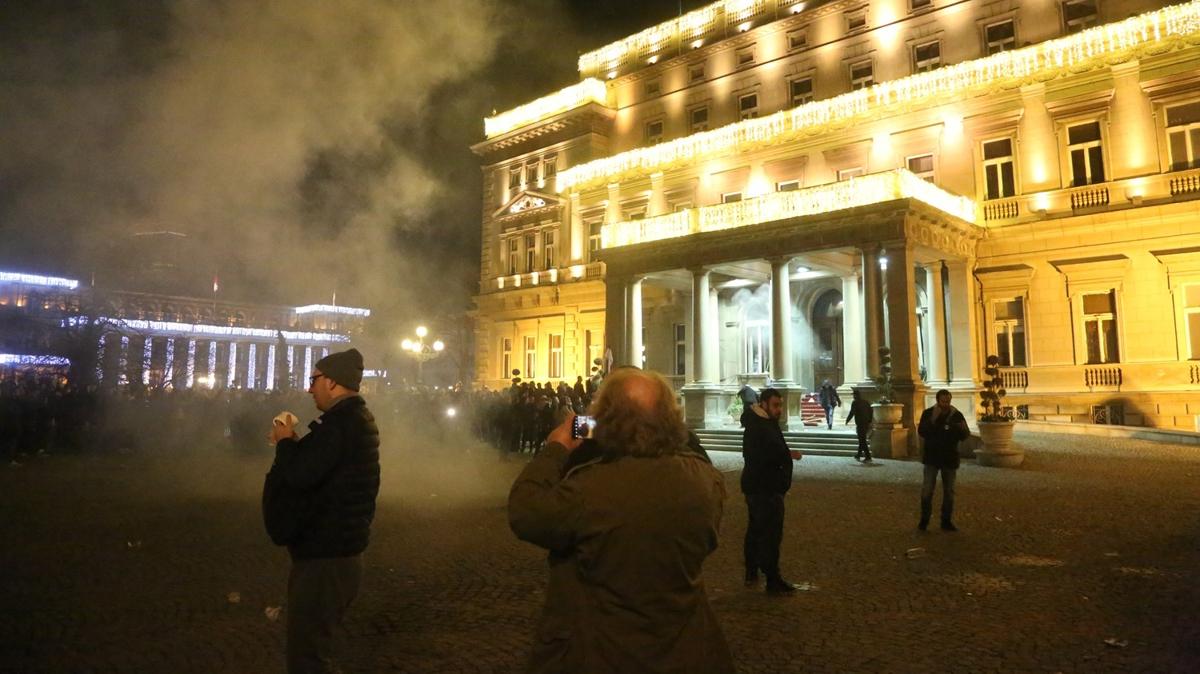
(998, 450)
(888, 413)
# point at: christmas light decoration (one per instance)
(36, 280)
(331, 309)
(590, 90)
(251, 365)
(231, 376)
(270, 383)
(860, 191)
(36, 361)
(212, 364)
(1103, 46)
(191, 363)
(199, 329)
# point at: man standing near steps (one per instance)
(766, 477)
(862, 415)
(942, 427)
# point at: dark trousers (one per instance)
(862, 432)
(927, 488)
(829, 416)
(319, 592)
(764, 533)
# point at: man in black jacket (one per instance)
(330, 477)
(862, 415)
(766, 477)
(942, 427)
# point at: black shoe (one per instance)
(858, 457)
(777, 588)
(923, 524)
(947, 525)
(751, 579)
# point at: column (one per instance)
(703, 339)
(963, 370)
(1039, 145)
(269, 381)
(781, 321)
(902, 313)
(231, 371)
(147, 352)
(615, 297)
(852, 329)
(937, 323)
(872, 309)
(1135, 150)
(658, 196)
(612, 210)
(577, 237)
(633, 322)
(190, 371)
(123, 361)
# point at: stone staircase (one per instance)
(810, 441)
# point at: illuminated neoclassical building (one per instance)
(774, 189)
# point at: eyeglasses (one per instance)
(313, 379)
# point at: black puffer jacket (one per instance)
(942, 432)
(768, 468)
(334, 473)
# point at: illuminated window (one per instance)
(506, 357)
(927, 56)
(748, 106)
(594, 239)
(862, 75)
(731, 197)
(549, 249)
(856, 20)
(530, 356)
(549, 167)
(514, 178)
(654, 132)
(1079, 15)
(745, 56)
(698, 119)
(999, 169)
(635, 213)
(787, 186)
(1183, 135)
(680, 331)
(853, 172)
(921, 165)
(1087, 157)
(915, 5)
(531, 255)
(1100, 327)
(652, 87)
(797, 39)
(695, 72)
(555, 366)
(1001, 36)
(1008, 330)
(801, 91)
(757, 341)
(1191, 316)
(531, 171)
(514, 254)
(592, 346)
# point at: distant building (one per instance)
(777, 188)
(117, 338)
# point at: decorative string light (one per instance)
(331, 309)
(590, 90)
(850, 193)
(36, 361)
(1094, 48)
(198, 329)
(37, 280)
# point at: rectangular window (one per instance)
(797, 39)
(1079, 15)
(1100, 327)
(1008, 329)
(531, 174)
(555, 366)
(999, 168)
(801, 91)
(731, 197)
(549, 249)
(652, 87)
(635, 214)
(1087, 159)
(654, 132)
(856, 20)
(787, 186)
(1000, 37)
(514, 178)
(745, 56)
(853, 172)
(505, 358)
(695, 72)
(1191, 316)
(549, 167)
(698, 119)
(915, 5)
(921, 165)
(748, 106)
(530, 357)
(927, 56)
(531, 255)
(594, 239)
(592, 345)
(680, 331)
(514, 255)
(862, 75)
(1183, 135)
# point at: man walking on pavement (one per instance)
(829, 400)
(766, 477)
(862, 415)
(942, 427)
(319, 500)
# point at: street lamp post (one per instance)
(421, 351)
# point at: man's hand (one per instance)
(562, 434)
(280, 431)
(796, 454)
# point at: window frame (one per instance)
(514, 255)
(530, 344)
(1191, 137)
(1102, 346)
(652, 87)
(857, 83)
(797, 40)
(850, 172)
(731, 197)
(696, 72)
(1091, 149)
(990, 46)
(929, 175)
(506, 344)
(595, 237)
(1072, 26)
(680, 351)
(549, 248)
(515, 173)
(554, 360)
(1187, 312)
(930, 63)
(651, 138)
(788, 185)
(984, 163)
(745, 113)
(531, 251)
(693, 126)
(919, 5)
(792, 96)
(1009, 325)
(855, 20)
(745, 57)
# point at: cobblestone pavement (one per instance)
(126, 564)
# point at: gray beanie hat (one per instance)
(343, 367)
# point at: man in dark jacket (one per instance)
(829, 400)
(766, 477)
(942, 427)
(331, 477)
(862, 415)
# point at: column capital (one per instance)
(934, 266)
(780, 259)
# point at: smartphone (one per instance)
(583, 427)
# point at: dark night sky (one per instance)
(305, 147)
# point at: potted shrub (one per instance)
(995, 424)
(886, 411)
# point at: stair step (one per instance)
(814, 443)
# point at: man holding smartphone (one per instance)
(766, 478)
(942, 427)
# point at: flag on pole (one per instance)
(216, 284)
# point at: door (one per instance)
(827, 338)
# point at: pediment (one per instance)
(525, 202)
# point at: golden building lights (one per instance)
(588, 91)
